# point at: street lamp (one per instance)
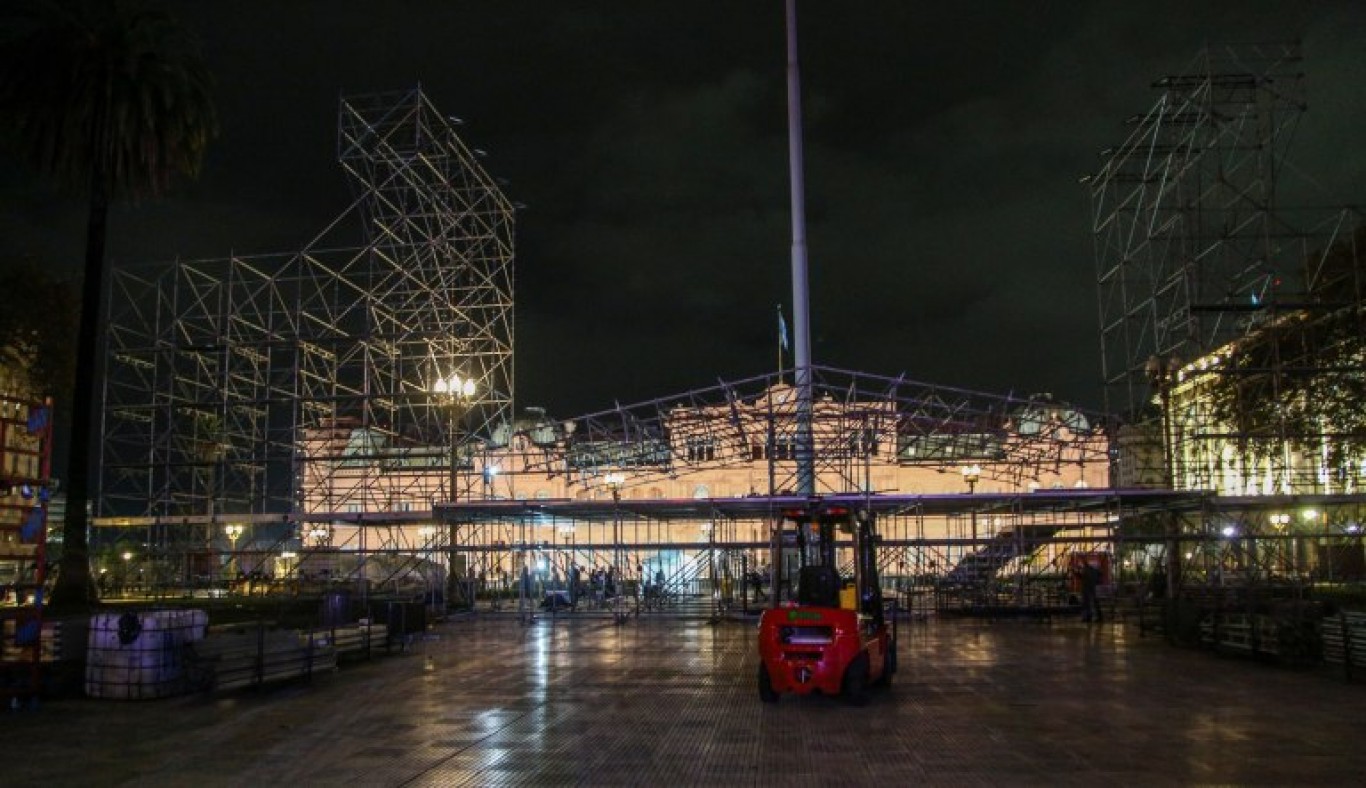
(1279, 521)
(614, 483)
(319, 534)
(456, 393)
(234, 532)
(971, 473)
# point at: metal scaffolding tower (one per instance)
(1202, 269)
(215, 368)
(1234, 339)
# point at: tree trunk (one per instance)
(75, 588)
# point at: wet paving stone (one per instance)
(590, 703)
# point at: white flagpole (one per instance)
(806, 476)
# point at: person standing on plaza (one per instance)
(524, 602)
(1090, 580)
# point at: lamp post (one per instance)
(456, 394)
(1279, 521)
(614, 483)
(971, 473)
(233, 532)
(319, 534)
(1310, 517)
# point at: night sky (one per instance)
(949, 234)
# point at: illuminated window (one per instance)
(863, 442)
(701, 449)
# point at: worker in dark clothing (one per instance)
(1090, 605)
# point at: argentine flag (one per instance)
(782, 329)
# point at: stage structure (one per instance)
(396, 319)
(1231, 322)
(372, 503)
(683, 491)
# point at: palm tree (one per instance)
(109, 99)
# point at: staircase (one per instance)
(978, 569)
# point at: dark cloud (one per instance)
(948, 232)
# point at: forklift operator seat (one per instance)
(818, 586)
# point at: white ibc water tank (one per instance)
(140, 654)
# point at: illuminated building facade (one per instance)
(700, 457)
(744, 447)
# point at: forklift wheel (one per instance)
(888, 668)
(766, 693)
(856, 681)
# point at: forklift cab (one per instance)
(819, 582)
(819, 586)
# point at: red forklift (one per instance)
(834, 638)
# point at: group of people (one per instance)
(756, 579)
(578, 583)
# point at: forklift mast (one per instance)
(866, 578)
(825, 522)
